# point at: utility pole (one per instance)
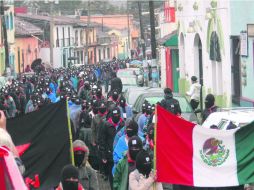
(51, 34)
(5, 37)
(152, 24)
(142, 30)
(87, 32)
(128, 20)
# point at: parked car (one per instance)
(225, 117)
(131, 94)
(130, 77)
(154, 95)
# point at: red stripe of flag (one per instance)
(174, 150)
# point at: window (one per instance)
(11, 21)
(99, 55)
(108, 53)
(36, 53)
(57, 37)
(69, 35)
(7, 21)
(81, 37)
(63, 37)
(76, 37)
(104, 53)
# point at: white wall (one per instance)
(57, 61)
(213, 72)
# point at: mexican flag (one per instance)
(188, 154)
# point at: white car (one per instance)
(237, 116)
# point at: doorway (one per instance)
(175, 69)
(198, 65)
(236, 70)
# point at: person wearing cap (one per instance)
(69, 179)
(127, 164)
(107, 132)
(122, 145)
(98, 95)
(143, 178)
(194, 92)
(126, 111)
(169, 103)
(87, 176)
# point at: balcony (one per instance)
(66, 42)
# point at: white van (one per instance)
(223, 118)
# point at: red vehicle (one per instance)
(10, 177)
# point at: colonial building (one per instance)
(72, 39)
(27, 38)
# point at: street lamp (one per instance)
(52, 2)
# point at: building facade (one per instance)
(27, 39)
(204, 47)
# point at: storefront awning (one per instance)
(170, 40)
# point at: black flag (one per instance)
(44, 138)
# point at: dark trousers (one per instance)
(108, 166)
(106, 86)
(194, 104)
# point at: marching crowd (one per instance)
(107, 138)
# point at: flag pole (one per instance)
(70, 133)
(155, 144)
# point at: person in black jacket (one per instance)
(170, 103)
(107, 133)
(116, 84)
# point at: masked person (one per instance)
(143, 119)
(85, 91)
(122, 144)
(126, 111)
(210, 106)
(126, 165)
(87, 176)
(169, 103)
(9, 105)
(149, 146)
(107, 133)
(70, 179)
(143, 178)
(98, 95)
(95, 128)
(116, 84)
(194, 92)
(114, 98)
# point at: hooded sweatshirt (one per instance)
(194, 91)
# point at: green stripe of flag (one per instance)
(244, 139)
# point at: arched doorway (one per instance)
(182, 57)
(198, 64)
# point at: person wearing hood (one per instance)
(114, 98)
(87, 176)
(143, 178)
(85, 91)
(169, 103)
(95, 128)
(126, 111)
(210, 106)
(69, 179)
(107, 132)
(127, 164)
(116, 84)
(194, 92)
(122, 145)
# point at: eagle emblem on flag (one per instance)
(214, 152)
